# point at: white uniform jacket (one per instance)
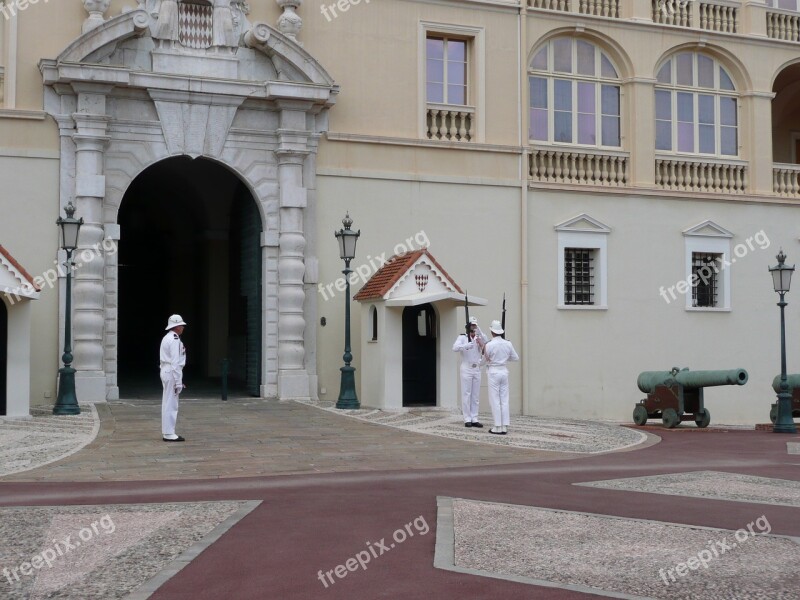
(499, 352)
(470, 350)
(173, 356)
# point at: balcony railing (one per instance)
(783, 26)
(786, 180)
(698, 175)
(599, 8)
(562, 5)
(599, 167)
(716, 16)
(451, 123)
(672, 12)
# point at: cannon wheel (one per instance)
(670, 418)
(773, 413)
(640, 415)
(703, 418)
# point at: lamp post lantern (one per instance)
(782, 281)
(67, 401)
(347, 239)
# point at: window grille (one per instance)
(705, 279)
(579, 275)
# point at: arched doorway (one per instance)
(419, 355)
(190, 244)
(3, 358)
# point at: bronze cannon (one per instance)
(677, 395)
(794, 389)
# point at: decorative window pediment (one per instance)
(708, 229)
(583, 223)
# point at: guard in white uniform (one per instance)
(498, 352)
(173, 359)
(471, 359)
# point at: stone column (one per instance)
(88, 289)
(755, 141)
(293, 381)
(639, 129)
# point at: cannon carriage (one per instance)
(794, 389)
(677, 395)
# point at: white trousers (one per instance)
(498, 395)
(470, 392)
(169, 403)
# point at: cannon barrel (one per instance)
(793, 380)
(648, 380)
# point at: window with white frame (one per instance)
(696, 107)
(574, 95)
(446, 69)
(708, 275)
(582, 263)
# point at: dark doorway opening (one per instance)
(190, 244)
(3, 358)
(419, 355)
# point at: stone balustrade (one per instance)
(783, 25)
(450, 123)
(593, 167)
(699, 175)
(786, 180)
(716, 16)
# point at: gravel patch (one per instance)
(711, 484)
(793, 447)
(621, 557)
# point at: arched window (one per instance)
(374, 314)
(574, 95)
(696, 109)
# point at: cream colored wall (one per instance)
(585, 363)
(29, 200)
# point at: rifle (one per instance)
(503, 318)
(466, 312)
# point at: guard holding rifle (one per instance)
(470, 345)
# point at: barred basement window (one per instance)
(579, 275)
(705, 279)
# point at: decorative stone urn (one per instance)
(290, 22)
(96, 10)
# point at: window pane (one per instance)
(435, 71)
(538, 92)
(705, 71)
(562, 122)
(540, 60)
(609, 95)
(456, 94)
(435, 92)
(435, 48)
(705, 109)
(563, 94)
(663, 135)
(685, 137)
(456, 73)
(728, 142)
(725, 82)
(587, 129)
(606, 68)
(610, 131)
(562, 55)
(457, 50)
(706, 134)
(538, 124)
(727, 110)
(685, 107)
(685, 68)
(585, 58)
(663, 104)
(586, 97)
(665, 73)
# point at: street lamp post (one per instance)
(67, 401)
(347, 251)
(781, 281)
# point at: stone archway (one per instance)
(128, 94)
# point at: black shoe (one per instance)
(177, 439)
(477, 424)
(496, 432)
(468, 425)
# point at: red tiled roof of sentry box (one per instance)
(391, 272)
(19, 268)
